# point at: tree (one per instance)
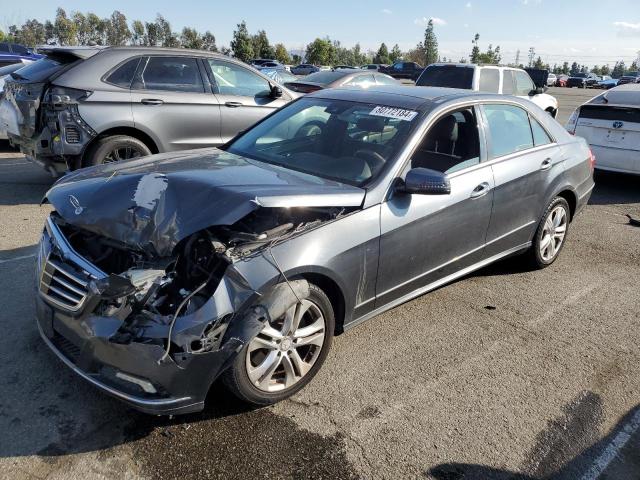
(430, 45)
(475, 51)
(137, 32)
(166, 36)
(64, 28)
(382, 55)
(152, 36)
(416, 55)
(296, 59)
(538, 63)
(282, 55)
(190, 38)
(618, 69)
(396, 53)
(83, 30)
(574, 68)
(3, 36)
(209, 42)
(320, 51)
(605, 70)
(491, 56)
(241, 44)
(565, 68)
(118, 32)
(634, 66)
(261, 46)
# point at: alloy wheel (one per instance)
(122, 153)
(553, 233)
(287, 348)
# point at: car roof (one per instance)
(84, 52)
(401, 96)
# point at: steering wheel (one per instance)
(373, 159)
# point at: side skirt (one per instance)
(436, 284)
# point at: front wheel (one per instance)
(286, 354)
(551, 233)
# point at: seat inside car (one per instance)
(451, 144)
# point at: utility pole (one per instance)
(532, 55)
(517, 58)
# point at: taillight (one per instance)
(592, 160)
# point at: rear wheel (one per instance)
(550, 235)
(114, 149)
(286, 354)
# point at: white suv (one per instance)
(488, 78)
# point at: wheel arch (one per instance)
(331, 288)
(571, 198)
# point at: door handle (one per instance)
(480, 190)
(233, 104)
(546, 164)
(151, 101)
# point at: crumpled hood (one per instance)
(154, 202)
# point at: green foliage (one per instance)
(430, 45)
(396, 53)
(282, 55)
(320, 51)
(618, 69)
(475, 51)
(261, 46)
(242, 44)
(118, 32)
(137, 32)
(382, 55)
(64, 29)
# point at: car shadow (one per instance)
(615, 188)
(606, 458)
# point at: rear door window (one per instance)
(524, 84)
(175, 74)
(507, 82)
(452, 76)
(509, 129)
(540, 135)
(123, 75)
(232, 79)
(489, 80)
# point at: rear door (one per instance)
(172, 102)
(525, 160)
(614, 135)
(243, 95)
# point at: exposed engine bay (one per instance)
(148, 293)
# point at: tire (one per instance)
(542, 254)
(237, 378)
(115, 148)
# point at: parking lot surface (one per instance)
(508, 373)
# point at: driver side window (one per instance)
(231, 79)
(451, 144)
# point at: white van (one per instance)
(488, 78)
(610, 123)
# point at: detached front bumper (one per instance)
(134, 372)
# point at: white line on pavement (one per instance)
(613, 449)
(17, 258)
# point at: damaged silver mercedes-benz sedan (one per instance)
(159, 275)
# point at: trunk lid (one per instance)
(610, 126)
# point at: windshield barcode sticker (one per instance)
(391, 112)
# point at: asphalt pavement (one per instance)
(508, 373)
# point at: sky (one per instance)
(591, 32)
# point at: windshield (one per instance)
(325, 78)
(346, 141)
(452, 76)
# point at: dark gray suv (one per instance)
(83, 106)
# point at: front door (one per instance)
(425, 238)
(244, 96)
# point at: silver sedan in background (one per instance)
(344, 77)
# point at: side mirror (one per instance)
(539, 91)
(276, 91)
(424, 181)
